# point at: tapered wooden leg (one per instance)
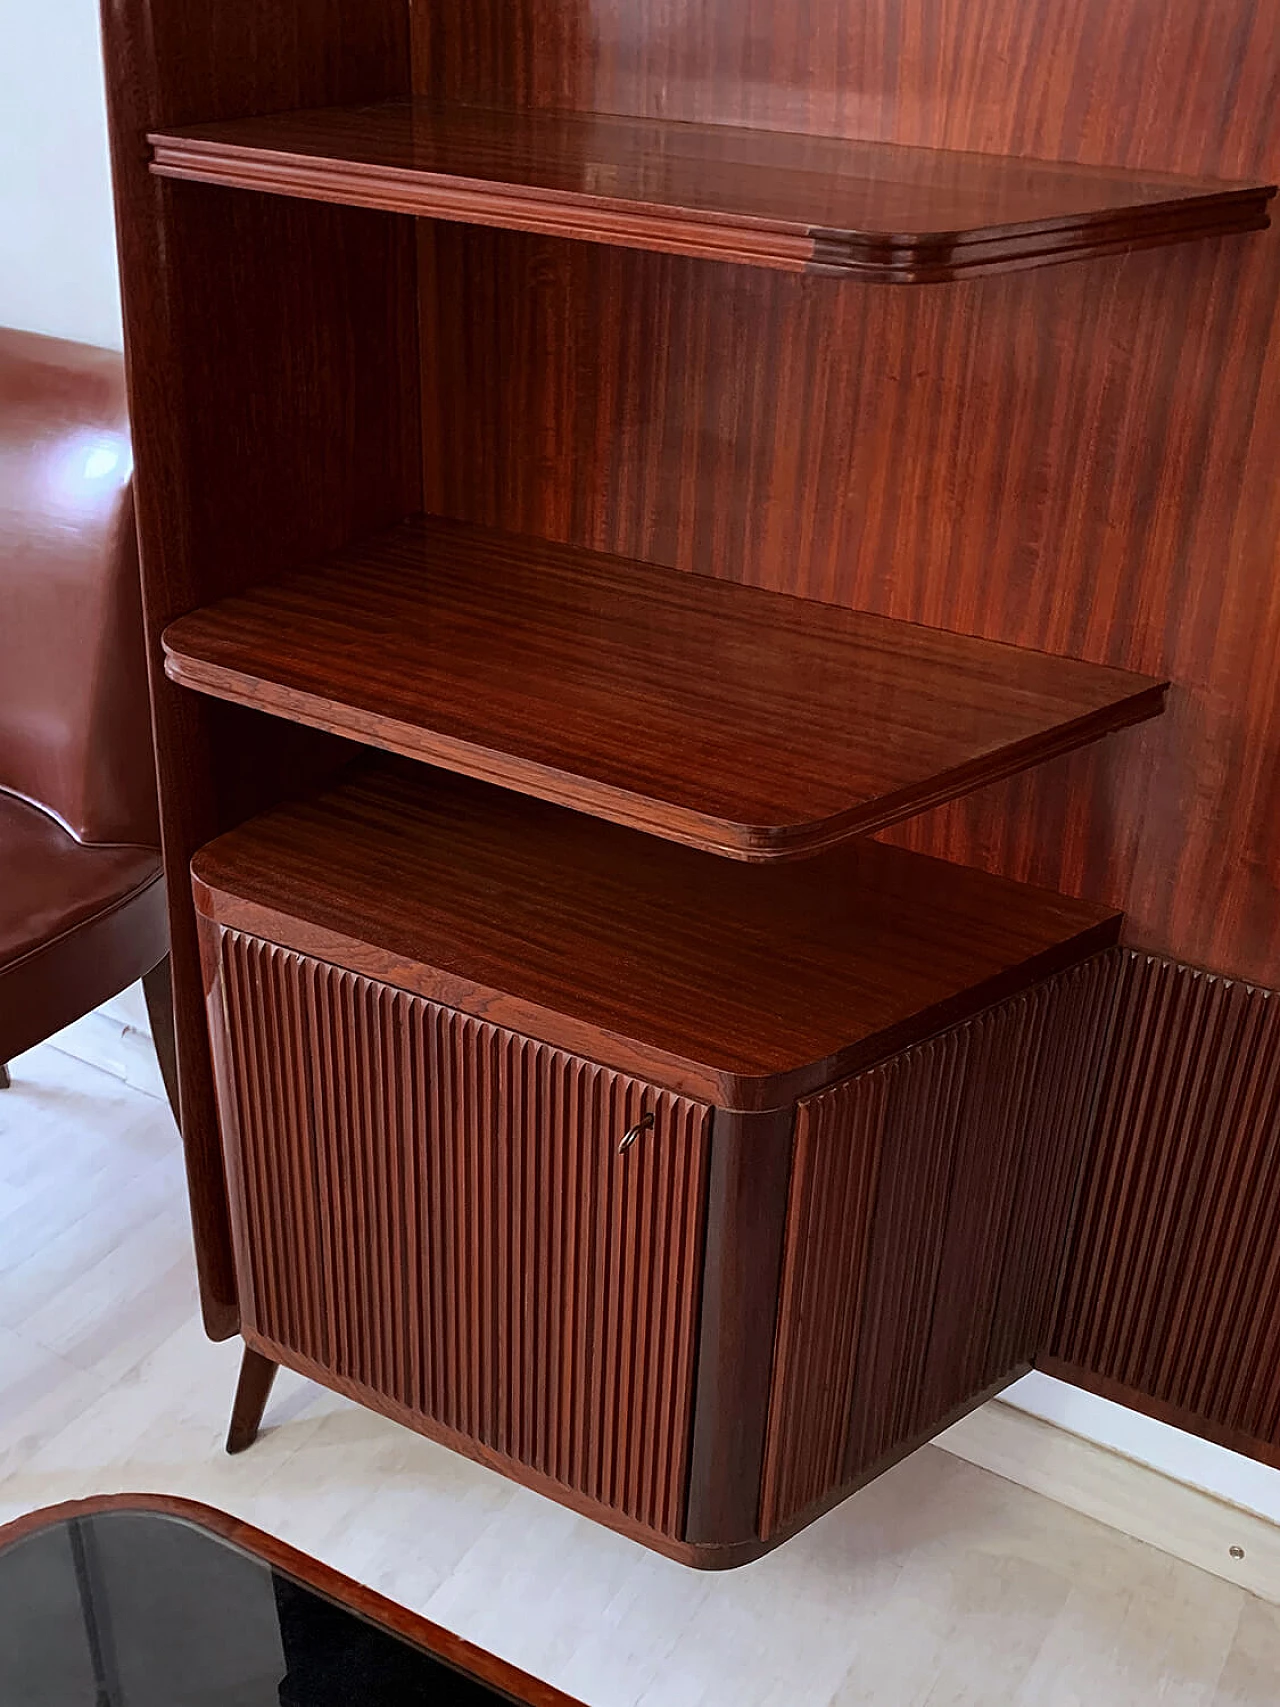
(252, 1391)
(157, 987)
(5, 1080)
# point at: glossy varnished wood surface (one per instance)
(742, 984)
(748, 1186)
(1138, 84)
(725, 717)
(273, 410)
(322, 1579)
(845, 446)
(770, 198)
(1081, 460)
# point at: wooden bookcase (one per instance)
(636, 1124)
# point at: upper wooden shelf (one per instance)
(740, 721)
(765, 198)
(745, 985)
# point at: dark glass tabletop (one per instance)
(128, 1607)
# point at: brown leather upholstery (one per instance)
(75, 730)
(81, 891)
(77, 924)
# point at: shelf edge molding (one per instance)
(753, 725)
(633, 811)
(357, 158)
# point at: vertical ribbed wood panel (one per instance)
(435, 1211)
(1173, 1284)
(835, 1161)
(929, 1208)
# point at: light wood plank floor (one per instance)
(939, 1586)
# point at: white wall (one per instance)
(1185, 1457)
(57, 240)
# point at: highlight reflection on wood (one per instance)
(766, 197)
(726, 717)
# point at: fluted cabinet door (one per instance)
(926, 1226)
(435, 1214)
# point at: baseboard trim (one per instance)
(1119, 1491)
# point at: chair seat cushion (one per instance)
(77, 923)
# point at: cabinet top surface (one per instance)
(868, 209)
(741, 721)
(743, 984)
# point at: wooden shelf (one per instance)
(741, 984)
(765, 198)
(740, 721)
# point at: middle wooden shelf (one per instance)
(740, 721)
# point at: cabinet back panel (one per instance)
(1079, 460)
(837, 440)
(435, 1211)
(1112, 82)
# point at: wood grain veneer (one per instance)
(928, 1212)
(819, 204)
(265, 343)
(726, 717)
(748, 1183)
(745, 985)
(1135, 83)
(1080, 460)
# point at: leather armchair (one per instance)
(82, 902)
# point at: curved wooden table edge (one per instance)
(354, 1597)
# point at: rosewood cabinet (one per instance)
(610, 484)
(700, 1322)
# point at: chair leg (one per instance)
(5, 1080)
(257, 1373)
(157, 987)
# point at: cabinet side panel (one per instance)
(1187, 1160)
(274, 406)
(929, 1213)
(436, 1213)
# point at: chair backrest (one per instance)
(75, 727)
